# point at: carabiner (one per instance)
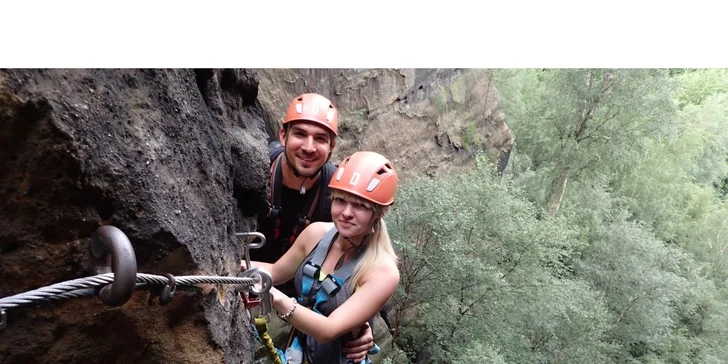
(263, 304)
(247, 246)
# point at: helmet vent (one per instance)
(338, 174)
(372, 185)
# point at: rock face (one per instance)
(165, 156)
(425, 120)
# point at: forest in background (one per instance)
(604, 241)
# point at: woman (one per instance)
(344, 271)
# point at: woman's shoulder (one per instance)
(316, 230)
(385, 266)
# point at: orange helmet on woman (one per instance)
(368, 175)
(314, 108)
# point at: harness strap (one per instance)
(275, 204)
(315, 292)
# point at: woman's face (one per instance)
(351, 217)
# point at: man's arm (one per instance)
(357, 349)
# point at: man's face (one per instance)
(307, 147)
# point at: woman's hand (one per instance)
(281, 302)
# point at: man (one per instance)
(300, 174)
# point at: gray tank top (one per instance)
(314, 351)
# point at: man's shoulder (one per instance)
(274, 148)
(328, 171)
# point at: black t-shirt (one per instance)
(292, 202)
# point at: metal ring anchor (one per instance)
(110, 250)
(247, 246)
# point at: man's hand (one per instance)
(356, 350)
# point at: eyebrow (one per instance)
(298, 128)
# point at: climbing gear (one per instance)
(368, 175)
(247, 246)
(315, 292)
(261, 326)
(275, 203)
(108, 243)
(259, 310)
(312, 205)
(259, 307)
(167, 292)
(288, 314)
(262, 304)
(315, 108)
(112, 255)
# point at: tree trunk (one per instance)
(558, 193)
(578, 135)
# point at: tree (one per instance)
(582, 123)
(478, 264)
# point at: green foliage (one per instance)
(632, 268)
(641, 282)
(699, 84)
(476, 352)
(440, 101)
(477, 263)
(471, 137)
(590, 121)
(355, 121)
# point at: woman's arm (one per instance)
(376, 288)
(284, 269)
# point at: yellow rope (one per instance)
(262, 326)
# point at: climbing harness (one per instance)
(113, 263)
(275, 205)
(316, 291)
(310, 207)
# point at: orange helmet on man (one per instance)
(314, 108)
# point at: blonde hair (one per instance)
(378, 244)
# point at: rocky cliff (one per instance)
(425, 120)
(176, 159)
(163, 155)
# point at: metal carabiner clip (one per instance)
(264, 303)
(247, 246)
